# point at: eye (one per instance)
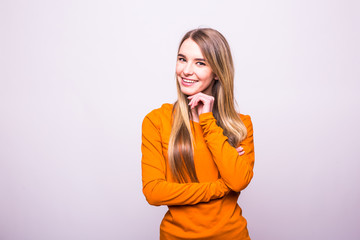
(181, 59)
(201, 64)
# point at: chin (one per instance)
(189, 92)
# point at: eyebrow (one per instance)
(197, 59)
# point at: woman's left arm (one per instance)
(236, 170)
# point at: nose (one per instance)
(188, 69)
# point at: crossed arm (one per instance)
(235, 165)
(159, 191)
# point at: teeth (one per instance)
(188, 81)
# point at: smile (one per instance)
(188, 80)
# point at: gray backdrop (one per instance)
(78, 77)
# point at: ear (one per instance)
(216, 77)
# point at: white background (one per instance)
(78, 77)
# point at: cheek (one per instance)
(206, 75)
(178, 69)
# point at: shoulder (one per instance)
(246, 119)
(159, 115)
(163, 111)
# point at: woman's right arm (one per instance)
(157, 190)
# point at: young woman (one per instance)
(198, 153)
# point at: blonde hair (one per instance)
(217, 53)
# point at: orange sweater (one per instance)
(204, 210)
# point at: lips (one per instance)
(188, 82)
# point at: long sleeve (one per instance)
(159, 191)
(237, 171)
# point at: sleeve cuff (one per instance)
(208, 124)
(206, 116)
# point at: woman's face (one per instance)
(193, 72)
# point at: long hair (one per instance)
(216, 51)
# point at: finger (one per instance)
(206, 98)
(191, 102)
(239, 149)
(207, 102)
(195, 101)
(205, 95)
(201, 94)
(241, 153)
(198, 94)
(202, 99)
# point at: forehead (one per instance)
(190, 49)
